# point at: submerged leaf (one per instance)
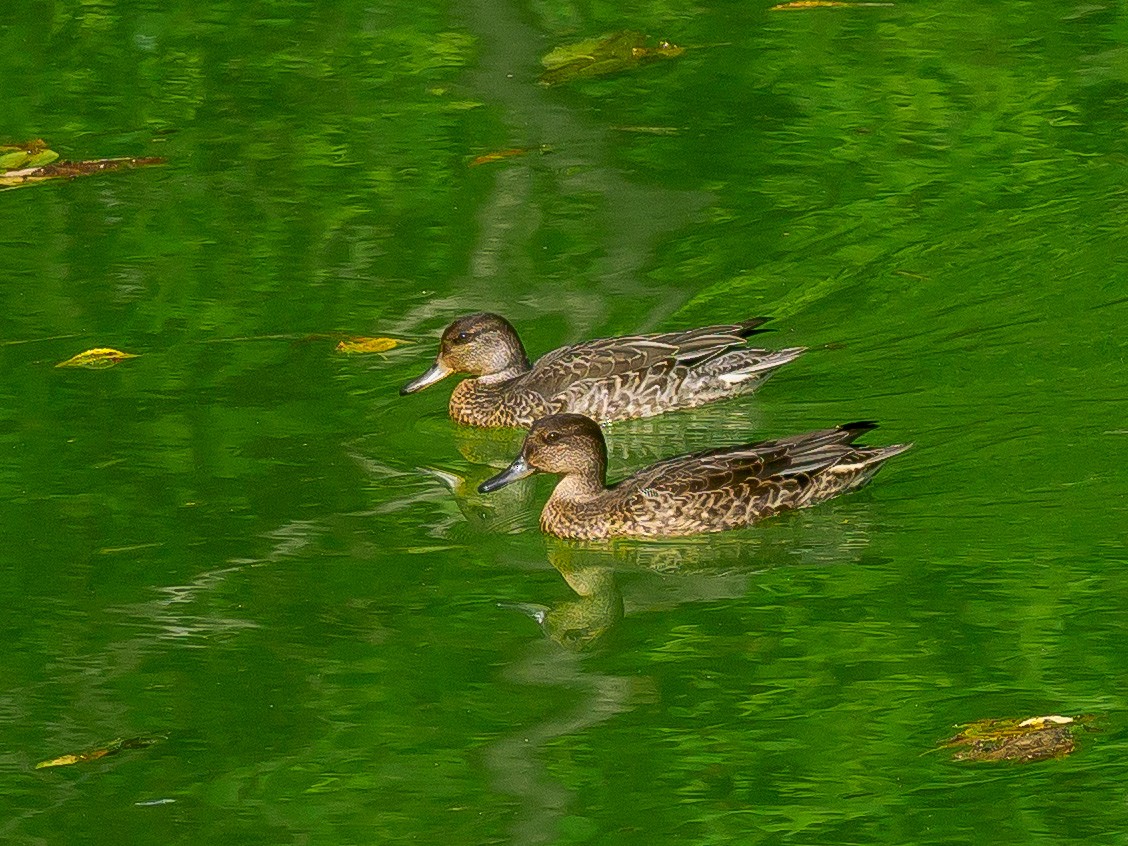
(649, 130)
(1032, 739)
(96, 358)
(500, 155)
(819, 4)
(613, 53)
(112, 748)
(367, 345)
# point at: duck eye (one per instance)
(463, 336)
(551, 437)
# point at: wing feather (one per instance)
(732, 467)
(606, 358)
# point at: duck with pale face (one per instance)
(709, 491)
(606, 379)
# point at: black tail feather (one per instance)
(750, 327)
(858, 426)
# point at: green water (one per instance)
(246, 543)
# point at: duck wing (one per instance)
(607, 358)
(749, 467)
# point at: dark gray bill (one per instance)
(519, 469)
(438, 371)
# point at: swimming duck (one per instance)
(708, 491)
(607, 379)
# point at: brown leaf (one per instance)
(97, 358)
(1033, 739)
(36, 146)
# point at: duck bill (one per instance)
(519, 469)
(438, 371)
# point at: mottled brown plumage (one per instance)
(607, 379)
(703, 492)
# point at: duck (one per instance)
(606, 379)
(711, 491)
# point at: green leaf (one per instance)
(11, 161)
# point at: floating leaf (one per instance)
(613, 53)
(98, 357)
(10, 161)
(43, 157)
(28, 154)
(27, 146)
(367, 345)
(40, 166)
(819, 4)
(1032, 739)
(112, 748)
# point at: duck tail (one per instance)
(751, 326)
(866, 461)
(867, 456)
(856, 429)
(879, 455)
(742, 367)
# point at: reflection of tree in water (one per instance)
(514, 759)
(603, 227)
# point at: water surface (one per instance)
(249, 544)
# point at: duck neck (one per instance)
(515, 369)
(582, 484)
(505, 361)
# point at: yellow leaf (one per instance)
(1043, 722)
(98, 357)
(112, 748)
(367, 345)
(61, 761)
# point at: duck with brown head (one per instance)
(710, 491)
(607, 379)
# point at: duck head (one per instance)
(564, 444)
(483, 345)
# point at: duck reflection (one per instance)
(413, 485)
(483, 514)
(487, 448)
(581, 623)
(614, 580)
